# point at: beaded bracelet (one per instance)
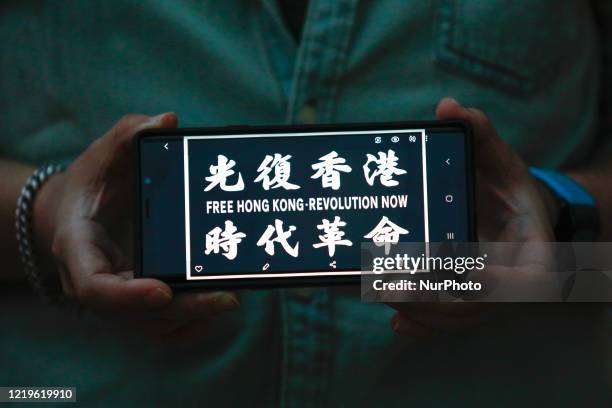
(23, 214)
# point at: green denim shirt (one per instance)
(538, 69)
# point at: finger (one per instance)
(85, 252)
(493, 154)
(404, 326)
(190, 306)
(184, 310)
(109, 292)
(490, 278)
(440, 322)
(450, 309)
(188, 335)
(124, 130)
(65, 281)
(95, 285)
(530, 282)
(484, 132)
(186, 317)
(143, 323)
(113, 152)
(434, 318)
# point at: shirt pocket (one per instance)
(516, 45)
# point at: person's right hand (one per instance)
(83, 225)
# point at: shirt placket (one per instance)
(308, 344)
(320, 61)
(306, 313)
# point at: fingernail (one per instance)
(395, 323)
(452, 100)
(156, 120)
(158, 297)
(400, 325)
(227, 302)
(395, 326)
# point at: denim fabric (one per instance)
(69, 72)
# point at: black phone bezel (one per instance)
(181, 284)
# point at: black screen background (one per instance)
(162, 203)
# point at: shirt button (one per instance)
(302, 294)
(308, 114)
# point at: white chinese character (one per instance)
(221, 172)
(386, 168)
(332, 235)
(226, 240)
(329, 170)
(386, 233)
(281, 238)
(282, 171)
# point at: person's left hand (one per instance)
(512, 207)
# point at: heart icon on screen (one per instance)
(198, 268)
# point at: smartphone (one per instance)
(252, 206)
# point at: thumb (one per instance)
(113, 151)
(122, 133)
(485, 135)
(493, 155)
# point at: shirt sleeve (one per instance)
(602, 10)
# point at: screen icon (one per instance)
(377, 139)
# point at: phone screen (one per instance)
(259, 204)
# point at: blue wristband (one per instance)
(578, 218)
